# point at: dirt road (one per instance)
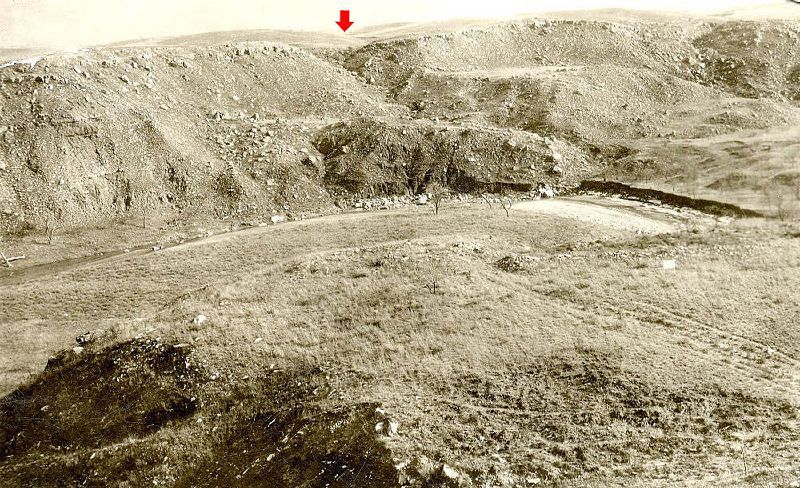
(603, 213)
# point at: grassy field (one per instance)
(550, 351)
(755, 169)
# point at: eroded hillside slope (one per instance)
(251, 129)
(596, 82)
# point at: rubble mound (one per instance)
(594, 83)
(146, 412)
(300, 447)
(100, 134)
(753, 59)
(388, 157)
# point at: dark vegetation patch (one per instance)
(301, 446)
(129, 415)
(131, 389)
(663, 198)
(577, 413)
(372, 157)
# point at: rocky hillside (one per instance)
(250, 129)
(107, 132)
(595, 81)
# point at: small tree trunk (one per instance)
(49, 230)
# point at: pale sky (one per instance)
(74, 23)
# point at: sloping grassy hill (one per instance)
(553, 351)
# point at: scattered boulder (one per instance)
(200, 319)
(544, 190)
(93, 337)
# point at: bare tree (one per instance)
(506, 202)
(52, 222)
(767, 191)
(144, 206)
(691, 175)
(786, 209)
(435, 272)
(486, 199)
(437, 192)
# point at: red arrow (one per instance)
(344, 20)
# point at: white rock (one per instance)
(77, 349)
(394, 425)
(669, 264)
(449, 472)
(199, 319)
(277, 219)
(422, 199)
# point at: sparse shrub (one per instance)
(437, 192)
(52, 223)
(23, 229)
(377, 262)
(781, 202)
(511, 264)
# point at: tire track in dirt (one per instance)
(777, 372)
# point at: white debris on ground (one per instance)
(30, 62)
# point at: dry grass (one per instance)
(589, 360)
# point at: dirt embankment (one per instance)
(662, 198)
(384, 157)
